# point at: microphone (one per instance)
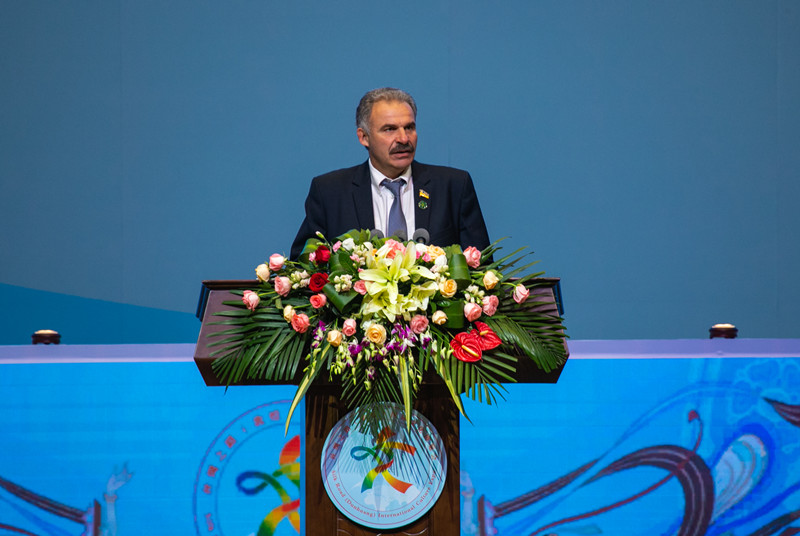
(402, 235)
(376, 233)
(422, 236)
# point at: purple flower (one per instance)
(355, 349)
(319, 332)
(380, 354)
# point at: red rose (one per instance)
(487, 338)
(467, 347)
(317, 281)
(323, 254)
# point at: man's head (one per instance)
(386, 126)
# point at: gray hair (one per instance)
(364, 110)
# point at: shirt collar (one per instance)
(377, 177)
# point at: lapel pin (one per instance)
(423, 193)
(423, 205)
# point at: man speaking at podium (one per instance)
(391, 192)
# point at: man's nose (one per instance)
(402, 135)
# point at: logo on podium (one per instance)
(386, 478)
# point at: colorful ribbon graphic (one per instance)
(383, 454)
(290, 468)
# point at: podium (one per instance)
(324, 410)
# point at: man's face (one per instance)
(392, 137)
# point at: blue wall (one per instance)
(647, 151)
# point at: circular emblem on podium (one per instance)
(388, 477)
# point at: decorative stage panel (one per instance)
(636, 438)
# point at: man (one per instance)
(392, 192)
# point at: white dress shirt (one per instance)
(382, 200)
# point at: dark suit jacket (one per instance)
(341, 200)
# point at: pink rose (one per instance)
(520, 293)
(473, 256)
(300, 322)
(337, 245)
(419, 323)
(318, 300)
(283, 285)
(360, 286)
(395, 247)
(349, 327)
(490, 304)
(276, 262)
(251, 299)
(472, 311)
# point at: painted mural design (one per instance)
(44, 515)
(659, 447)
(729, 464)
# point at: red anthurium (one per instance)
(486, 336)
(467, 347)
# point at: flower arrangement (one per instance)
(378, 314)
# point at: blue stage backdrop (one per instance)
(637, 438)
(647, 151)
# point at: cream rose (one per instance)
(448, 288)
(335, 337)
(288, 313)
(435, 252)
(490, 280)
(439, 318)
(376, 334)
(262, 272)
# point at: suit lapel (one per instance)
(362, 197)
(422, 200)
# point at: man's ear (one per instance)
(363, 137)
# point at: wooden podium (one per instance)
(324, 410)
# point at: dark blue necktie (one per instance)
(397, 221)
